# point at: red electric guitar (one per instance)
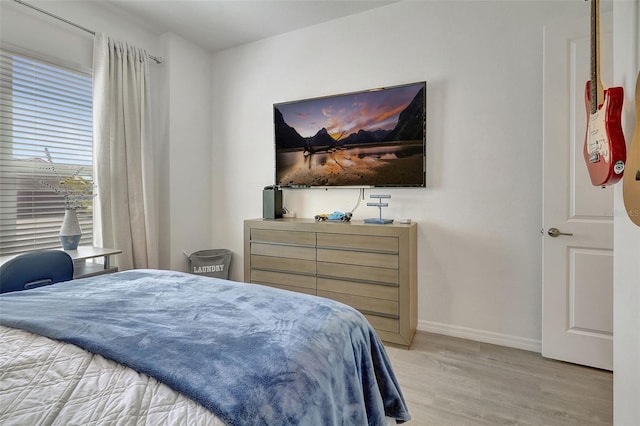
(604, 148)
(631, 182)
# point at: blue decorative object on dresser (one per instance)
(379, 205)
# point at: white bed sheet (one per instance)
(43, 381)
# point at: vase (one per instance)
(70, 231)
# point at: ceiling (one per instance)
(220, 24)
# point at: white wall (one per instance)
(32, 30)
(479, 219)
(626, 343)
(185, 170)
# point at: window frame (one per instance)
(18, 234)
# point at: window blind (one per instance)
(42, 105)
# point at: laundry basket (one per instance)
(212, 263)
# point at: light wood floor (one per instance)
(449, 381)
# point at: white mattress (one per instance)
(43, 381)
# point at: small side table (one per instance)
(84, 269)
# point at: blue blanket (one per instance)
(252, 355)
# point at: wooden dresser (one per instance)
(370, 267)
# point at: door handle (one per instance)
(554, 232)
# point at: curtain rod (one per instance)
(158, 60)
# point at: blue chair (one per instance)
(35, 269)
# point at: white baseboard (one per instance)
(481, 336)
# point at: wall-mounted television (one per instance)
(371, 138)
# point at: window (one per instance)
(42, 105)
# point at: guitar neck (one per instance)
(596, 88)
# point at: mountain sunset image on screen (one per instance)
(370, 138)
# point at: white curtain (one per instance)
(125, 208)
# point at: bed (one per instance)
(165, 347)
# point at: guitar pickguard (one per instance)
(598, 144)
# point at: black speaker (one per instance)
(271, 203)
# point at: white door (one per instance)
(577, 302)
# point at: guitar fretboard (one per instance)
(593, 88)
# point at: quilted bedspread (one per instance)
(48, 382)
(249, 354)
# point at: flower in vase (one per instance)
(76, 190)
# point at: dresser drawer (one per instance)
(361, 242)
(291, 288)
(358, 288)
(284, 237)
(283, 264)
(383, 323)
(281, 278)
(291, 252)
(369, 305)
(380, 260)
(358, 273)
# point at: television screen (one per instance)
(372, 138)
